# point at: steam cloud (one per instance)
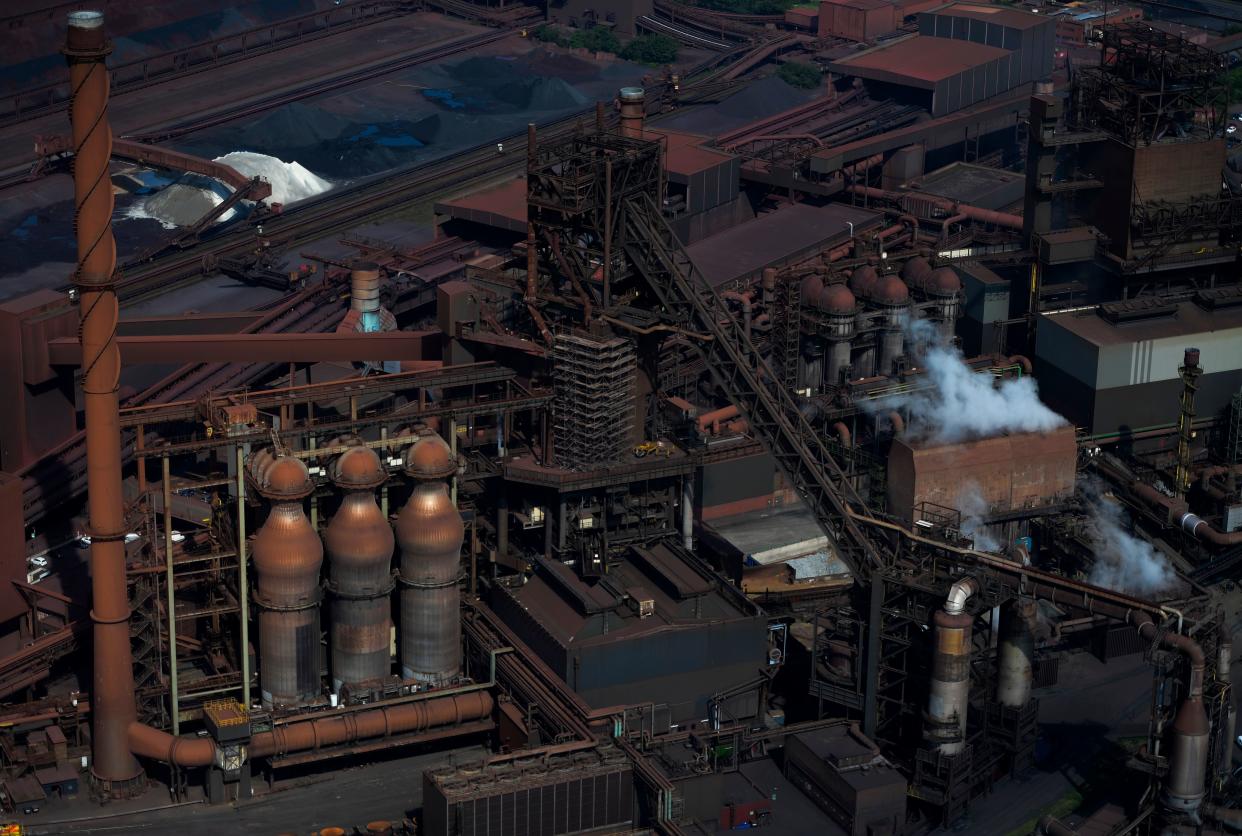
(1123, 562)
(961, 403)
(973, 508)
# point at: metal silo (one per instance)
(360, 544)
(287, 557)
(430, 534)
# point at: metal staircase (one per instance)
(748, 381)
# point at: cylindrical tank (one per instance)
(1188, 750)
(633, 111)
(950, 682)
(811, 371)
(430, 534)
(1015, 653)
(364, 290)
(360, 545)
(287, 558)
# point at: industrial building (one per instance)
(608, 448)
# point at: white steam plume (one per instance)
(961, 403)
(973, 508)
(1123, 562)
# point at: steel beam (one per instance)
(296, 347)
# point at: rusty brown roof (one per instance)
(684, 153)
(502, 206)
(999, 15)
(865, 5)
(919, 61)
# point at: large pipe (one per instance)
(1015, 653)
(113, 766)
(288, 555)
(988, 216)
(360, 545)
(1184, 785)
(1224, 666)
(337, 729)
(1229, 817)
(331, 730)
(949, 696)
(430, 533)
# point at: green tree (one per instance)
(550, 35)
(596, 39)
(651, 49)
(800, 75)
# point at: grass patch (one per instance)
(1060, 808)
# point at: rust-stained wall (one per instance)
(1026, 470)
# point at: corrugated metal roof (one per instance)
(775, 238)
(502, 206)
(994, 14)
(919, 62)
(865, 5)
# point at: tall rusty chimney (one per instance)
(114, 768)
(633, 111)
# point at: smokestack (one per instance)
(949, 697)
(360, 544)
(364, 291)
(1185, 783)
(1016, 651)
(1190, 372)
(1224, 663)
(287, 557)
(430, 533)
(115, 770)
(633, 111)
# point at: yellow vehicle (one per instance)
(652, 447)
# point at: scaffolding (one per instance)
(593, 415)
(1151, 85)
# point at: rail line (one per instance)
(413, 59)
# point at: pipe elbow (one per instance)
(149, 742)
(959, 594)
(843, 433)
(899, 423)
(1052, 826)
(1023, 361)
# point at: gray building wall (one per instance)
(1131, 383)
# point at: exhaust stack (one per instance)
(633, 111)
(114, 769)
(949, 698)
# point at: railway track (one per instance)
(413, 59)
(335, 211)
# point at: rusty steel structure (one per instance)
(562, 424)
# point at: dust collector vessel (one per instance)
(287, 557)
(430, 534)
(360, 544)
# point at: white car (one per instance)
(37, 561)
(131, 537)
(177, 536)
